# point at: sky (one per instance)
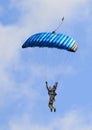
(23, 72)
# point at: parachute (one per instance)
(51, 40)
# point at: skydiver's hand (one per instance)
(46, 82)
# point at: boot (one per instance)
(54, 109)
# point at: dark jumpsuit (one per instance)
(52, 94)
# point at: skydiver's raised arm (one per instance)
(55, 86)
(47, 85)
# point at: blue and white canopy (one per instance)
(51, 40)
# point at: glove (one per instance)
(46, 82)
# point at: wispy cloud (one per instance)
(37, 14)
(73, 120)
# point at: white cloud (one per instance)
(8, 51)
(39, 14)
(73, 120)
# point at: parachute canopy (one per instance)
(51, 40)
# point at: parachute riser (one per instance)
(58, 26)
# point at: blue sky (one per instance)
(23, 72)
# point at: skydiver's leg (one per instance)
(50, 106)
(54, 109)
(52, 98)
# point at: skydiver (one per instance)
(52, 93)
